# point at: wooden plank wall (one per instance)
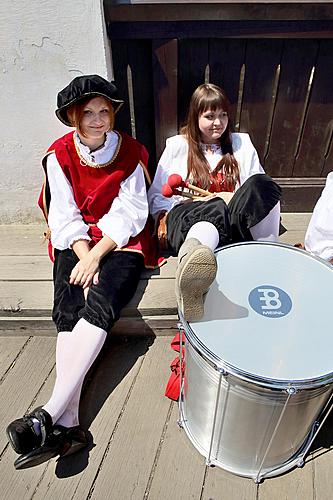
(280, 90)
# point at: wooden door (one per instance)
(280, 90)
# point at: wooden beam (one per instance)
(288, 11)
(220, 29)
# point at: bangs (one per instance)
(212, 97)
(213, 101)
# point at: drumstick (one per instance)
(175, 181)
(167, 191)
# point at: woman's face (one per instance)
(212, 124)
(95, 121)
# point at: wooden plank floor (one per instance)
(137, 451)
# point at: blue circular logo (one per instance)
(270, 301)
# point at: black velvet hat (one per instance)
(82, 87)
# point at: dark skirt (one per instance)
(251, 203)
(118, 279)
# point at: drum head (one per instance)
(269, 313)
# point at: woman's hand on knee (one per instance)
(85, 271)
(95, 282)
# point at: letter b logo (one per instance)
(271, 298)
(270, 301)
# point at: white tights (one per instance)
(76, 351)
(206, 233)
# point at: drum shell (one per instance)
(247, 435)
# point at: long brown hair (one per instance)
(75, 112)
(209, 97)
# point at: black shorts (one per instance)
(249, 205)
(118, 279)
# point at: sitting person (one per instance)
(319, 234)
(244, 206)
(96, 202)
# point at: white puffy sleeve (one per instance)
(319, 235)
(64, 219)
(129, 210)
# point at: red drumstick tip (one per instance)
(167, 191)
(175, 180)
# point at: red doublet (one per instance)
(95, 188)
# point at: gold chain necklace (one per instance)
(87, 163)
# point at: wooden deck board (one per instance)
(9, 350)
(297, 484)
(180, 469)
(135, 443)
(39, 268)
(222, 484)
(23, 381)
(322, 468)
(24, 239)
(154, 295)
(23, 484)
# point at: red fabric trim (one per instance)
(172, 389)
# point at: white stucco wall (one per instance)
(43, 45)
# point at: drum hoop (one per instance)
(221, 365)
(274, 244)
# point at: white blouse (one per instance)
(126, 217)
(174, 160)
(319, 235)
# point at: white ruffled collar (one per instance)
(100, 156)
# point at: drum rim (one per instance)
(276, 244)
(224, 367)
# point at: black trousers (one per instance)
(118, 279)
(249, 205)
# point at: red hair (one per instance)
(75, 112)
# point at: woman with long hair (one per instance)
(244, 205)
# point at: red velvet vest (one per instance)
(95, 188)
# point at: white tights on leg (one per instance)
(268, 228)
(76, 352)
(70, 417)
(206, 233)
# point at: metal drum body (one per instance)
(258, 366)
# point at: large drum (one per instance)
(259, 365)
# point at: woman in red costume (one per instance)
(95, 201)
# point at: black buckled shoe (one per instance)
(61, 441)
(21, 434)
